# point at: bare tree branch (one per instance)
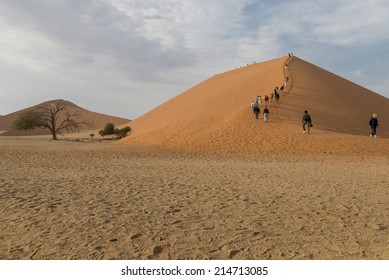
(56, 118)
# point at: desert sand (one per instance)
(73, 200)
(201, 178)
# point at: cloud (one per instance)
(330, 22)
(145, 52)
(350, 22)
(86, 46)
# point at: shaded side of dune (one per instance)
(335, 104)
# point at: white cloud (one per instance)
(336, 22)
(340, 22)
(145, 51)
(353, 22)
(27, 49)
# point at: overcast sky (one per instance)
(125, 57)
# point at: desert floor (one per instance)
(82, 200)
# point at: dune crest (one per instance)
(216, 116)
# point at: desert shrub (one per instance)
(27, 120)
(122, 132)
(110, 129)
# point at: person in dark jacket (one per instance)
(266, 114)
(306, 121)
(373, 123)
(255, 108)
(256, 111)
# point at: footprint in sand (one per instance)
(233, 253)
(156, 252)
(136, 236)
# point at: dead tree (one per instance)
(54, 116)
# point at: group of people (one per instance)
(307, 120)
(373, 123)
(307, 124)
(255, 106)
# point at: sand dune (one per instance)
(219, 98)
(215, 116)
(93, 119)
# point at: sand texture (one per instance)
(71, 200)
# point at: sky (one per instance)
(126, 57)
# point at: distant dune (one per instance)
(93, 119)
(215, 115)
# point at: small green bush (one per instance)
(110, 129)
(27, 120)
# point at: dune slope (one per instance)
(216, 116)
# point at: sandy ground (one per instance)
(72, 200)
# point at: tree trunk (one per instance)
(54, 135)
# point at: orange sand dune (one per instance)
(93, 119)
(218, 99)
(215, 116)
